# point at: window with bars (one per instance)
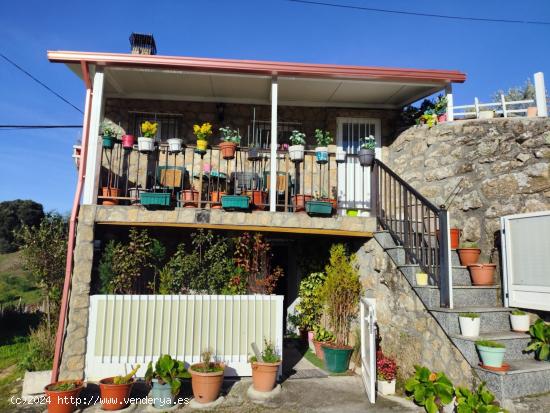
(169, 126)
(352, 133)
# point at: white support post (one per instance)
(503, 102)
(476, 104)
(449, 95)
(93, 163)
(540, 95)
(273, 159)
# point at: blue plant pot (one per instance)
(108, 142)
(322, 156)
(162, 395)
(491, 356)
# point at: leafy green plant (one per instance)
(323, 138)
(230, 135)
(207, 365)
(167, 371)
(469, 315)
(479, 401)
(440, 106)
(127, 378)
(368, 143)
(297, 138)
(322, 334)
(518, 312)
(469, 245)
(40, 349)
(429, 389)
(489, 343)
(64, 386)
(341, 292)
(269, 354)
(540, 340)
(109, 130)
(310, 306)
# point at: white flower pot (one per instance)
(174, 144)
(341, 156)
(486, 114)
(296, 153)
(520, 322)
(146, 144)
(385, 387)
(469, 327)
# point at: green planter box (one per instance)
(235, 202)
(154, 199)
(320, 208)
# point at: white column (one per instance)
(449, 95)
(540, 95)
(93, 163)
(273, 159)
(503, 102)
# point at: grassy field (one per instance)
(11, 375)
(15, 282)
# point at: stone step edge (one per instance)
(544, 366)
(470, 309)
(494, 336)
(463, 287)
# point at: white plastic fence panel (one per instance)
(368, 346)
(125, 330)
(526, 259)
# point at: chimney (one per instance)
(143, 44)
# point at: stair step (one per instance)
(492, 318)
(462, 295)
(525, 377)
(461, 275)
(384, 238)
(515, 344)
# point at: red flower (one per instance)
(386, 368)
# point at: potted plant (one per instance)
(258, 198)
(421, 279)
(206, 378)
(128, 141)
(491, 353)
(115, 391)
(109, 136)
(112, 193)
(520, 321)
(310, 304)
(340, 155)
(230, 140)
(146, 143)
(190, 198)
(216, 199)
(323, 139)
(540, 340)
(299, 201)
(432, 390)
(165, 379)
(454, 234)
(366, 153)
(340, 293)
(386, 373)
(265, 369)
(61, 395)
(428, 118)
(235, 202)
(174, 145)
(321, 336)
(319, 206)
(440, 109)
(202, 132)
(468, 253)
(469, 324)
(296, 150)
(482, 274)
(480, 400)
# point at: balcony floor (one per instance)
(288, 222)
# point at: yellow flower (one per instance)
(149, 129)
(433, 377)
(203, 131)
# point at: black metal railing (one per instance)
(415, 223)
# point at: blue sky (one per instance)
(38, 164)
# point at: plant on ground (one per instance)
(207, 364)
(127, 378)
(167, 371)
(230, 135)
(429, 389)
(540, 340)
(310, 306)
(202, 132)
(269, 354)
(489, 343)
(297, 138)
(469, 315)
(237, 284)
(323, 138)
(368, 143)
(341, 292)
(40, 349)
(320, 333)
(386, 367)
(480, 400)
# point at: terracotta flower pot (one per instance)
(228, 149)
(257, 198)
(469, 256)
(113, 396)
(482, 274)
(442, 118)
(319, 349)
(111, 192)
(264, 375)
(206, 386)
(190, 198)
(455, 237)
(58, 398)
(216, 199)
(300, 202)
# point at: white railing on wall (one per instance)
(125, 330)
(503, 107)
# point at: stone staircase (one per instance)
(526, 375)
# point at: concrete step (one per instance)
(461, 275)
(492, 318)
(515, 344)
(525, 377)
(463, 296)
(384, 239)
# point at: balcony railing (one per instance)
(198, 180)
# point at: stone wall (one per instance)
(501, 167)
(407, 331)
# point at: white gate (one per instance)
(526, 260)
(125, 330)
(368, 346)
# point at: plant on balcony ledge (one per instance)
(319, 206)
(109, 135)
(230, 140)
(202, 132)
(174, 145)
(323, 140)
(235, 202)
(190, 198)
(296, 150)
(366, 153)
(146, 143)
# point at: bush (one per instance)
(40, 349)
(311, 304)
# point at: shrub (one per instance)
(40, 349)
(310, 306)
(386, 367)
(429, 389)
(481, 400)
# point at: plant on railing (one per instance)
(480, 400)
(149, 129)
(297, 138)
(202, 132)
(429, 389)
(230, 135)
(368, 143)
(366, 151)
(323, 138)
(540, 339)
(310, 306)
(109, 133)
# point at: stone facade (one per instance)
(407, 331)
(496, 167)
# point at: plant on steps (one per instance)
(520, 321)
(540, 340)
(429, 389)
(480, 400)
(491, 353)
(469, 324)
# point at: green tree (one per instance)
(525, 92)
(14, 215)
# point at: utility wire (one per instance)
(38, 81)
(440, 16)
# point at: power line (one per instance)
(38, 81)
(410, 13)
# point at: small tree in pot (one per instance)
(366, 153)
(265, 369)
(340, 292)
(166, 380)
